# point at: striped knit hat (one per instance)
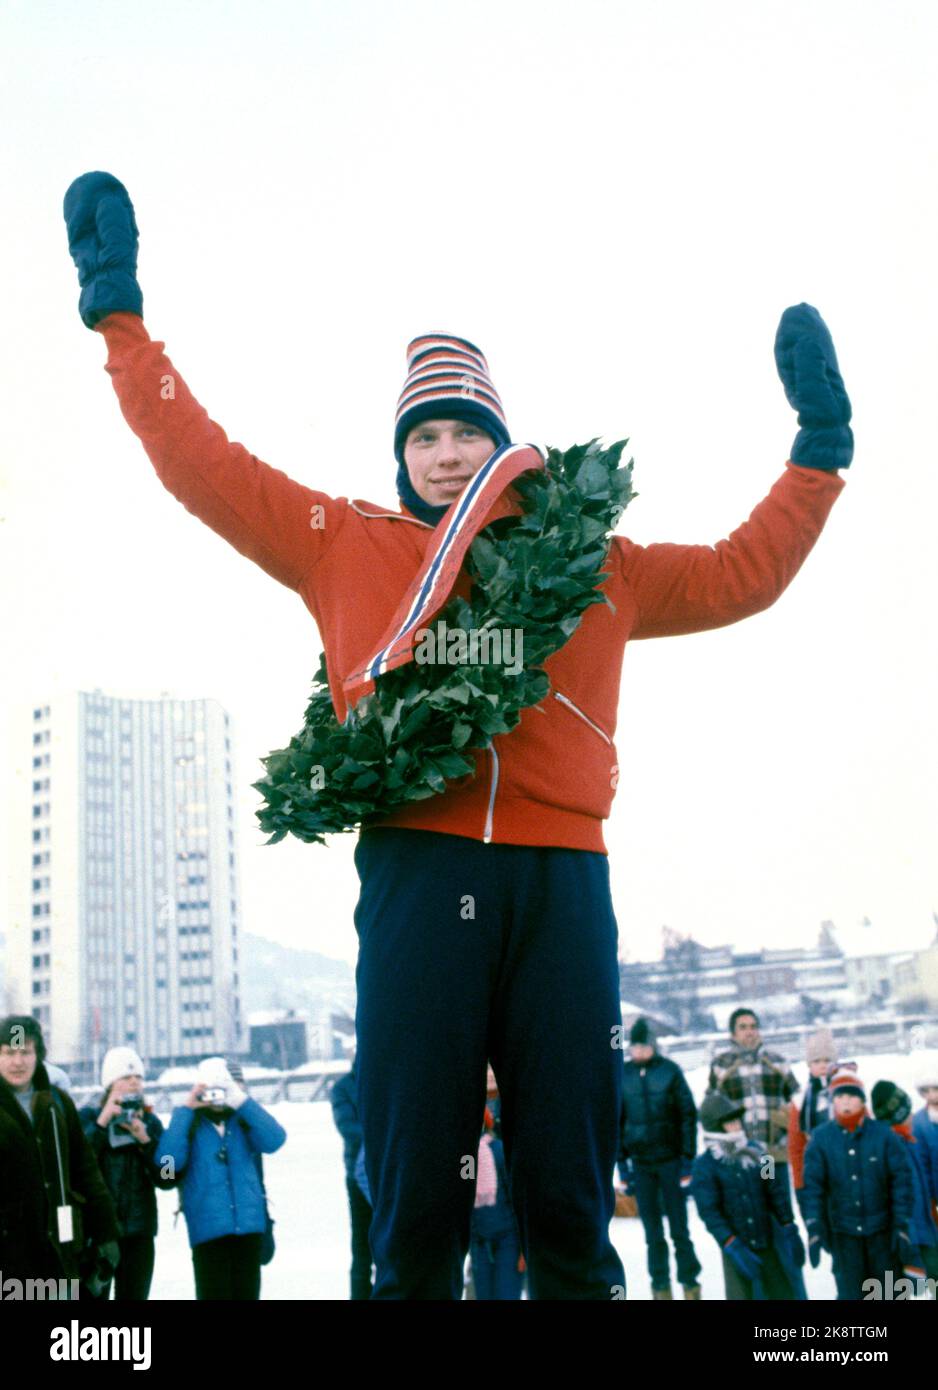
(447, 377)
(844, 1079)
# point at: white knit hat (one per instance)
(926, 1073)
(213, 1071)
(118, 1062)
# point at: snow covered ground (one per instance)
(306, 1186)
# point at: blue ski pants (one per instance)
(471, 952)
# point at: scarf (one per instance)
(815, 1108)
(851, 1122)
(430, 588)
(414, 503)
(735, 1147)
(487, 1175)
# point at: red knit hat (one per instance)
(846, 1081)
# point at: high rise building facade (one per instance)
(125, 924)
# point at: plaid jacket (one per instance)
(763, 1082)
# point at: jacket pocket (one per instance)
(575, 709)
(562, 757)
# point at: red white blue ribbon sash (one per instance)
(431, 586)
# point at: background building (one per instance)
(278, 1039)
(124, 922)
(699, 986)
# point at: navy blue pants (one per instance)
(470, 952)
(659, 1194)
(858, 1259)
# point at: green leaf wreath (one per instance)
(537, 572)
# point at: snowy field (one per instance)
(306, 1187)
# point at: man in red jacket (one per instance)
(485, 918)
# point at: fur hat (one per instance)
(118, 1062)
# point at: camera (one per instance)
(214, 1095)
(129, 1104)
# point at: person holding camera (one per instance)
(124, 1133)
(210, 1148)
(52, 1197)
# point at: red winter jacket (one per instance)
(552, 779)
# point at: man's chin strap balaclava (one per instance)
(447, 379)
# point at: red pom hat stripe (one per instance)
(448, 376)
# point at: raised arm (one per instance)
(691, 588)
(279, 524)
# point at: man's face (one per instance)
(819, 1067)
(930, 1094)
(442, 455)
(18, 1064)
(732, 1126)
(746, 1031)
(641, 1052)
(846, 1104)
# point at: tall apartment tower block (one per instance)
(124, 923)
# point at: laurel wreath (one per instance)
(537, 572)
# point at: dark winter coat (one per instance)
(345, 1114)
(857, 1182)
(31, 1184)
(658, 1118)
(130, 1174)
(922, 1231)
(221, 1188)
(733, 1199)
(763, 1082)
(925, 1132)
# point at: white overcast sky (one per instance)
(615, 201)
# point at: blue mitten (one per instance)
(102, 239)
(807, 365)
(748, 1264)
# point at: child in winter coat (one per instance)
(344, 1099)
(893, 1106)
(211, 1144)
(925, 1128)
(124, 1141)
(857, 1193)
(537, 985)
(745, 1208)
(810, 1108)
(494, 1245)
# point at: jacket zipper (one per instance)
(487, 833)
(564, 700)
